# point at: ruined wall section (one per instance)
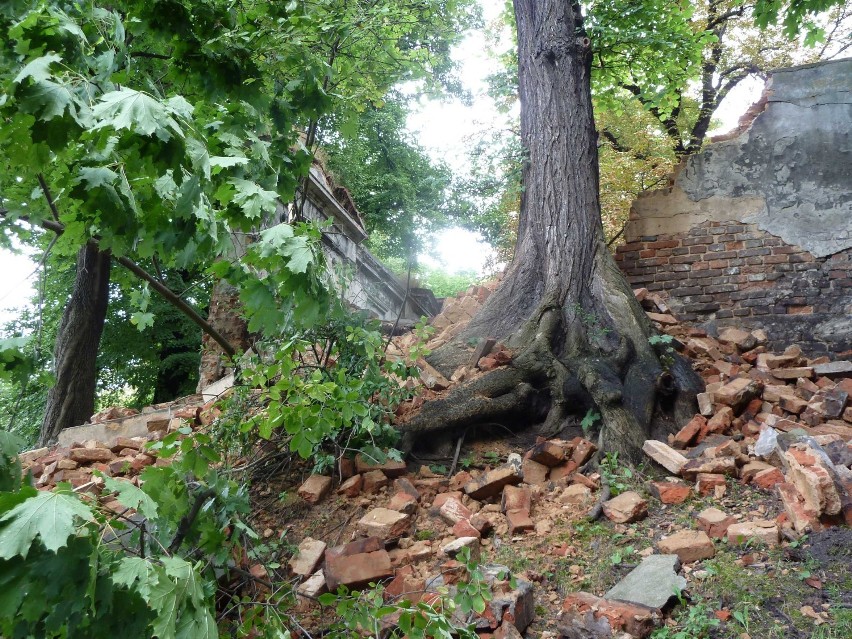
(756, 230)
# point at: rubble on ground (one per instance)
(777, 423)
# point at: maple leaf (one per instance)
(38, 69)
(253, 198)
(131, 496)
(51, 516)
(138, 112)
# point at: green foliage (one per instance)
(589, 420)
(10, 466)
(86, 571)
(330, 390)
(695, 622)
(794, 14)
(663, 345)
(400, 192)
(14, 363)
(617, 475)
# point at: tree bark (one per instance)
(71, 401)
(579, 337)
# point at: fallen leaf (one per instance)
(813, 582)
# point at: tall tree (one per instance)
(580, 340)
(579, 337)
(72, 399)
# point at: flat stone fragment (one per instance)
(688, 545)
(840, 368)
(90, 455)
(793, 373)
(453, 511)
(737, 393)
(669, 492)
(491, 483)
(534, 473)
(709, 466)
(384, 523)
(715, 522)
(742, 340)
(516, 606)
(389, 467)
(308, 558)
(315, 488)
(548, 453)
(652, 583)
(453, 548)
(314, 586)
(519, 521)
(576, 494)
(626, 508)
(352, 486)
(664, 455)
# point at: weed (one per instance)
(467, 461)
(424, 535)
(589, 420)
(665, 351)
(740, 614)
(694, 622)
(621, 554)
(439, 469)
(617, 476)
(491, 457)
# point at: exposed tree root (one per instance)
(548, 388)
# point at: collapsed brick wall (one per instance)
(756, 229)
(728, 273)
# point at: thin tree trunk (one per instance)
(580, 339)
(71, 401)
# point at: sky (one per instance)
(445, 129)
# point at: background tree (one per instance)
(400, 192)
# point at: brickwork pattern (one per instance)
(730, 273)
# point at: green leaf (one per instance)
(135, 111)
(132, 496)
(142, 320)
(254, 199)
(38, 69)
(47, 99)
(51, 516)
(137, 574)
(96, 176)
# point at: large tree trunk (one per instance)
(580, 338)
(71, 401)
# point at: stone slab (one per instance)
(652, 583)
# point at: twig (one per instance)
(401, 306)
(595, 513)
(456, 456)
(50, 202)
(189, 519)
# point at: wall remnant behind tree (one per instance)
(361, 279)
(756, 229)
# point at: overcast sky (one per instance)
(445, 129)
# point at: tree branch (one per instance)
(189, 519)
(158, 286)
